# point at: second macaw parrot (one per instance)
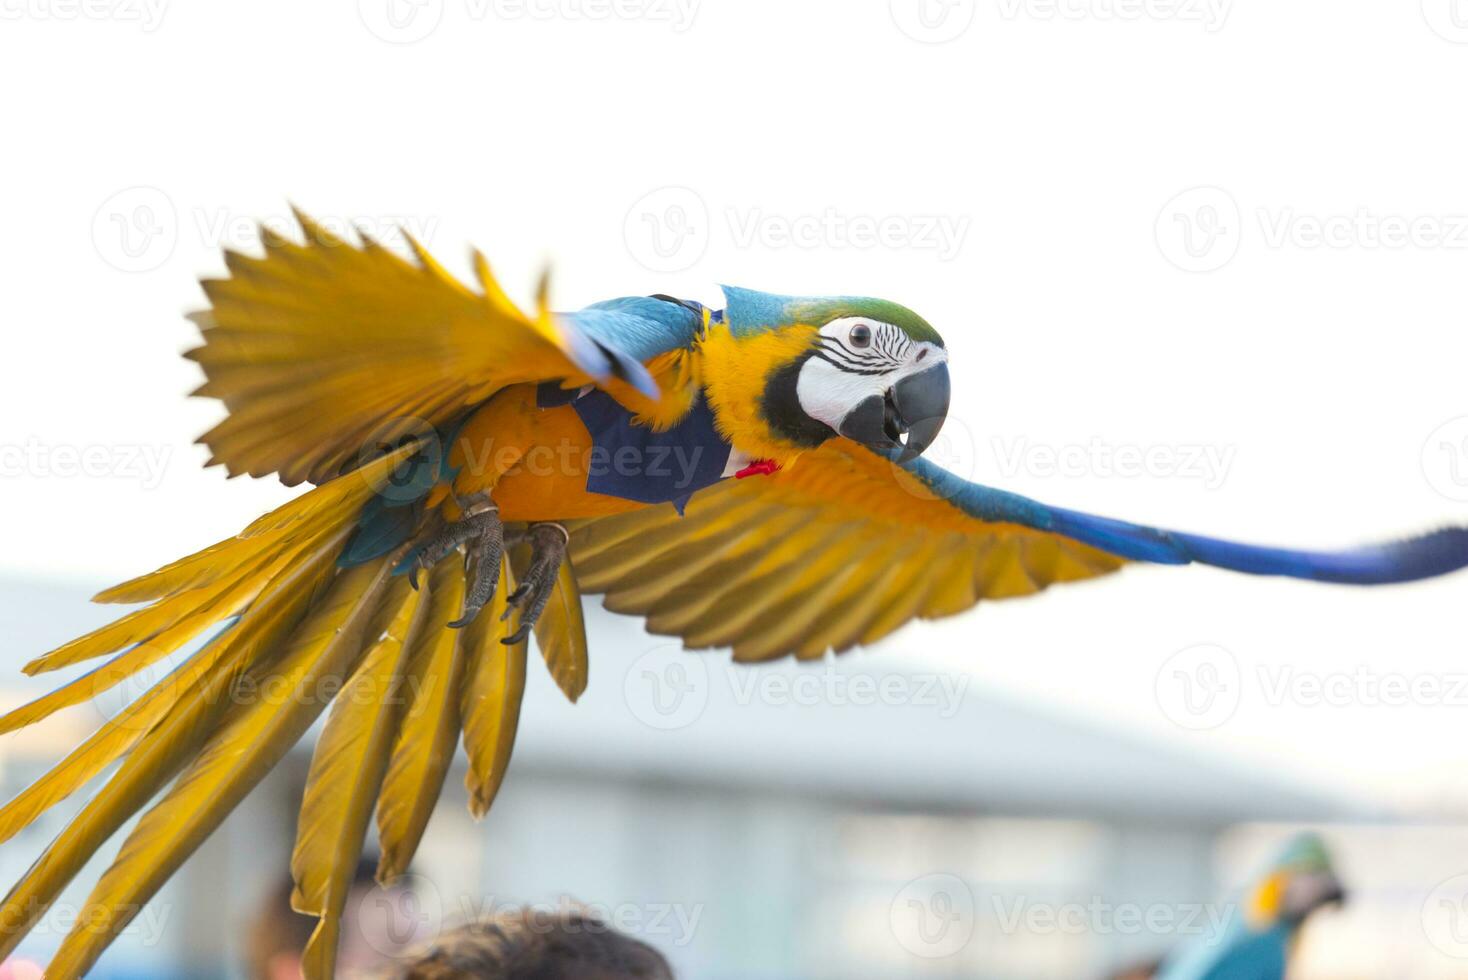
(1265, 925)
(746, 477)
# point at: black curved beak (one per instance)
(907, 418)
(1307, 892)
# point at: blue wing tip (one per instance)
(1425, 556)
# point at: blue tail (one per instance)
(1436, 553)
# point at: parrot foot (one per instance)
(482, 531)
(548, 542)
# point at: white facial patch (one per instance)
(859, 358)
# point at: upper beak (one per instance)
(1307, 892)
(908, 417)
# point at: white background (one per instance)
(1056, 139)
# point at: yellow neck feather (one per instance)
(735, 371)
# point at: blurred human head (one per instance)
(278, 933)
(536, 944)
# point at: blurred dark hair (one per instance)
(536, 944)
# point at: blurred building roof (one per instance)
(866, 727)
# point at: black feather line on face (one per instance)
(885, 341)
(837, 353)
(782, 411)
(848, 368)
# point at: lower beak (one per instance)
(1308, 892)
(907, 418)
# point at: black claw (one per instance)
(548, 542)
(482, 531)
(515, 598)
(488, 550)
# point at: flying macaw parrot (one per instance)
(746, 477)
(1259, 938)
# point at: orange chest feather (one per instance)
(533, 461)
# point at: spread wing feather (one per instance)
(837, 550)
(845, 546)
(325, 348)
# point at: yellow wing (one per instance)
(326, 352)
(836, 550)
(215, 725)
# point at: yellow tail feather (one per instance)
(346, 773)
(155, 759)
(429, 732)
(252, 737)
(491, 701)
(561, 635)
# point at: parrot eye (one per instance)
(861, 335)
